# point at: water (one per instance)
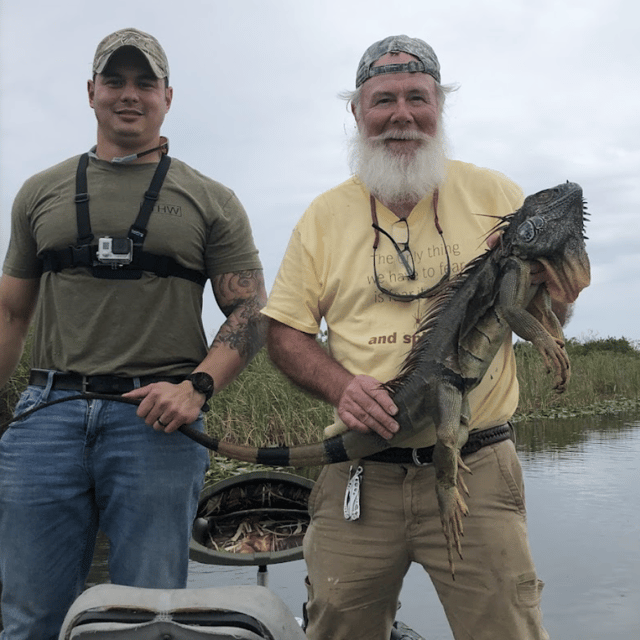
(584, 525)
(582, 478)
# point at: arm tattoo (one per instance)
(240, 296)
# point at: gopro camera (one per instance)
(115, 251)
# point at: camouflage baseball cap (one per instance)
(144, 42)
(426, 62)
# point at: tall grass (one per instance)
(602, 372)
(263, 408)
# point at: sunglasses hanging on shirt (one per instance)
(405, 256)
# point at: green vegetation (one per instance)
(605, 378)
(10, 393)
(262, 408)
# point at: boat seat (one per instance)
(115, 612)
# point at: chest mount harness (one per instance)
(117, 258)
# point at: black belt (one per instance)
(94, 384)
(423, 456)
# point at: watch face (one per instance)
(202, 382)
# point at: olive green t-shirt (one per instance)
(150, 326)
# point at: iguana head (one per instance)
(549, 228)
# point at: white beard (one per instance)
(396, 178)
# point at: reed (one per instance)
(604, 374)
(263, 408)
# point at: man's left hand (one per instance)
(166, 406)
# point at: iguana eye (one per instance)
(545, 196)
(526, 231)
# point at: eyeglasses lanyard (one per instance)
(445, 277)
(374, 216)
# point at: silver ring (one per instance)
(162, 424)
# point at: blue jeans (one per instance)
(76, 467)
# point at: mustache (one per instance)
(400, 134)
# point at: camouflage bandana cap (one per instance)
(426, 62)
(143, 42)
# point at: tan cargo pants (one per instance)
(356, 568)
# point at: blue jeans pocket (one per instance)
(30, 398)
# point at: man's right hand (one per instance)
(362, 404)
(365, 406)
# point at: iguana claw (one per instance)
(461, 483)
(452, 509)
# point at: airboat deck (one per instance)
(253, 519)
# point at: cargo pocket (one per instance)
(511, 472)
(529, 589)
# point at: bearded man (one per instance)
(364, 257)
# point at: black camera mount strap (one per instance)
(82, 203)
(83, 254)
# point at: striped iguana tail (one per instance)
(348, 446)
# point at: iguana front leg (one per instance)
(551, 348)
(452, 429)
(515, 295)
(540, 308)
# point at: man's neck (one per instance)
(401, 209)
(151, 153)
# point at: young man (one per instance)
(115, 289)
(430, 217)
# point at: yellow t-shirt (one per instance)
(327, 272)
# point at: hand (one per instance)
(365, 406)
(166, 406)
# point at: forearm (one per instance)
(361, 402)
(240, 296)
(306, 363)
(17, 303)
(239, 339)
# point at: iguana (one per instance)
(465, 327)
(459, 337)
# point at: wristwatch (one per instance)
(202, 382)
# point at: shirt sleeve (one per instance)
(230, 245)
(22, 260)
(295, 298)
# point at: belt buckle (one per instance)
(85, 384)
(416, 459)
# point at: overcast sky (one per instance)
(548, 92)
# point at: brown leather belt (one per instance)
(94, 384)
(424, 455)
